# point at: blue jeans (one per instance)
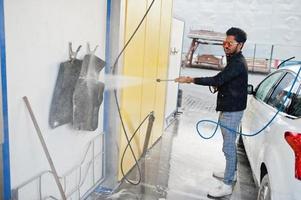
(232, 121)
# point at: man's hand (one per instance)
(184, 79)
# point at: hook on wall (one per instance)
(73, 54)
(89, 49)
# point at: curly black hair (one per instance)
(239, 34)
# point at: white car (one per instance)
(275, 153)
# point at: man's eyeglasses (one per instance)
(230, 44)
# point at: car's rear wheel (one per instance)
(264, 192)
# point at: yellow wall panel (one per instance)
(133, 67)
(146, 57)
(165, 28)
(152, 36)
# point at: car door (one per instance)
(257, 115)
(274, 150)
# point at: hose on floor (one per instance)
(113, 71)
(199, 123)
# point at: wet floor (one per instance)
(180, 165)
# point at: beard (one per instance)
(231, 53)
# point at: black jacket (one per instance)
(232, 83)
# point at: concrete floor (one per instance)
(180, 165)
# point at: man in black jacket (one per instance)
(231, 84)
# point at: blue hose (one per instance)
(240, 133)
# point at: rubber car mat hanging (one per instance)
(61, 107)
(88, 93)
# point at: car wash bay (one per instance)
(35, 38)
(180, 165)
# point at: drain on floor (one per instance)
(192, 103)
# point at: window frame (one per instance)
(275, 85)
(298, 91)
(271, 90)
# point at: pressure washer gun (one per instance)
(174, 80)
(212, 89)
(161, 80)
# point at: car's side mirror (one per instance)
(251, 89)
